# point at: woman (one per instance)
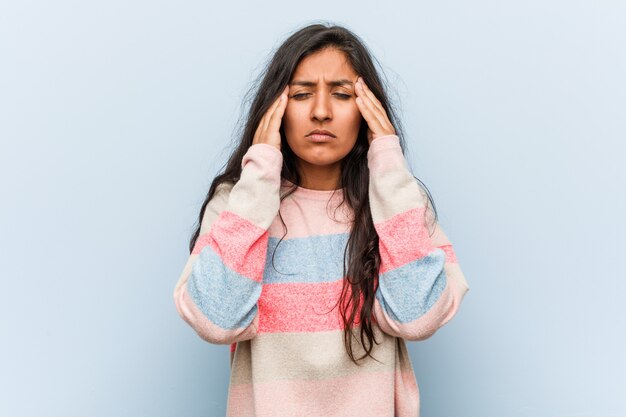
(317, 245)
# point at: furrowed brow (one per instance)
(334, 83)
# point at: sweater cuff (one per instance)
(384, 142)
(385, 154)
(267, 154)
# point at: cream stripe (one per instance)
(256, 196)
(318, 355)
(407, 193)
(453, 271)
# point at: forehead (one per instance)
(326, 65)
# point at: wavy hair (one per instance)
(359, 288)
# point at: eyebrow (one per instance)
(334, 83)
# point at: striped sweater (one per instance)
(275, 302)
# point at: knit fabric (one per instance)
(275, 302)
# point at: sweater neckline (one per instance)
(311, 193)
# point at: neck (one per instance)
(323, 178)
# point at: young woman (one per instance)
(318, 253)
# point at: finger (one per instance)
(370, 100)
(268, 114)
(280, 102)
(277, 103)
(366, 108)
(362, 89)
(277, 116)
(370, 109)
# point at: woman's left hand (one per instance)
(377, 121)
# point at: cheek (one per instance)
(351, 119)
(291, 117)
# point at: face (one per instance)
(321, 96)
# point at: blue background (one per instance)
(115, 116)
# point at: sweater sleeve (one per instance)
(420, 284)
(221, 282)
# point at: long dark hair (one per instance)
(359, 287)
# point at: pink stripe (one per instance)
(327, 397)
(201, 242)
(450, 254)
(300, 307)
(240, 244)
(403, 239)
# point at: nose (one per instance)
(321, 107)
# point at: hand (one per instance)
(268, 129)
(377, 121)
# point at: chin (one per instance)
(323, 162)
(319, 158)
(321, 155)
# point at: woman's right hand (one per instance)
(268, 129)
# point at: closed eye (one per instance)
(302, 95)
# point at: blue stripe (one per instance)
(406, 293)
(307, 259)
(225, 297)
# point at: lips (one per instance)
(320, 133)
(320, 137)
